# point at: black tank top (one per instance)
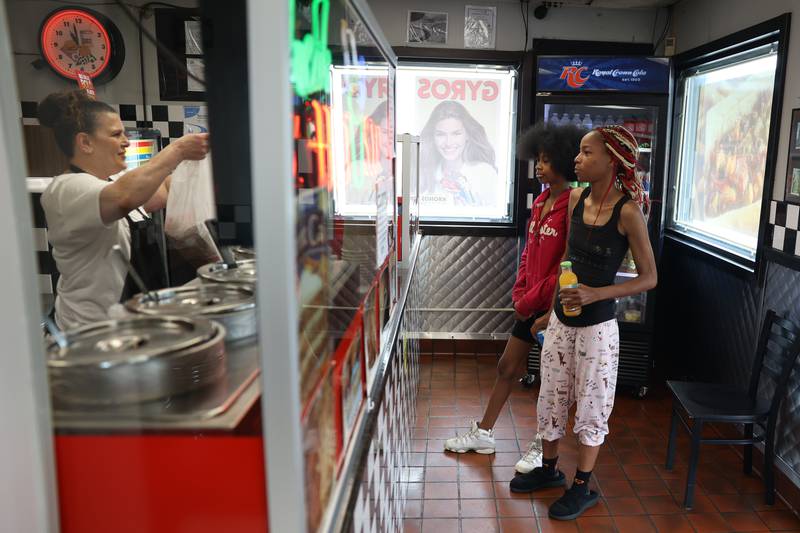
(596, 253)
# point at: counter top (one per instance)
(218, 407)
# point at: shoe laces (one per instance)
(534, 449)
(472, 433)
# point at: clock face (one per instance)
(76, 40)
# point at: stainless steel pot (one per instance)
(245, 272)
(136, 360)
(231, 304)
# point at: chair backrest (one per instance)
(776, 354)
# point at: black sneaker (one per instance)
(573, 503)
(538, 478)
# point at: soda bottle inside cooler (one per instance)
(609, 121)
(598, 121)
(576, 120)
(568, 280)
(553, 119)
(587, 121)
(565, 120)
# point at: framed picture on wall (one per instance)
(793, 164)
(426, 28)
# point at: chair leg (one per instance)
(748, 450)
(769, 472)
(673, 436)
(694, 457)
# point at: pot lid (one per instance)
(201, 299)
(129, 340)
(244, 253)
(245, 272)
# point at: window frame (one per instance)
(775, 30)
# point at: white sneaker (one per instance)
(532, 458)
(477, 440)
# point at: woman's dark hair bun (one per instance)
(61, 107)
(69, 113)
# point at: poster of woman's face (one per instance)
(464, 121)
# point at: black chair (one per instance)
(777, 350)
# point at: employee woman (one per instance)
(88, 214)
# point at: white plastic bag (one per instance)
(189, 204)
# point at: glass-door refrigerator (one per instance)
(632, 92)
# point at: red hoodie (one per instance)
(544, 248)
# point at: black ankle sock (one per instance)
(582, 480)
(549, 465)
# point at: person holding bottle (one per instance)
(580, 355)
(553, 148)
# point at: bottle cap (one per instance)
(566, 264)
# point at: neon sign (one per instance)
(311, 57)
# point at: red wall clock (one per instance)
(75, 39)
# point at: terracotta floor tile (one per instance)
(506, 445)
(640, 472)
(449, 525)
(502, 490)
(441, 473)
(633, 458)
(634, 524)
(728, 503)
(416, 459)
(650, 487)
(503, 473)
(419, 445)
(756, 501)
(442, 433)
(514, 508)
(596, 524)
(441, 459)
(474, 473)
(507, 433)
(440, 509)
(441, 491)
(672, 523)
(518, 525)
(779, 519)
(412, 525)
(702, 503)
(600, 509)
(660, 505)
(476, 490)
(609, 472)
(548, 525)
(413, 509)
(617, 488)
(541, 506)
(479, 525)
(505, 458)
(475, 459)
(624, 506)
(749, 521)
(478, 509)
(708, 522)
(416, 474)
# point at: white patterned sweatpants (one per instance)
(578, 365)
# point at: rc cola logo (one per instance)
(574, 74)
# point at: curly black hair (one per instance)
(560, 143)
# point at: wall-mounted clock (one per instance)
(76, 39)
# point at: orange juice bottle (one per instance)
(568, 280)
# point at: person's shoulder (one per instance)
(631, 212)
(71, 183)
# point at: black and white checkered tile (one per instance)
(168, 119)
(783, 219)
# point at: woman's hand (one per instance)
(540, 323)
(193, 146)
(579, 297)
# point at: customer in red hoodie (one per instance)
(553, 148)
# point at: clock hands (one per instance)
(74, 34)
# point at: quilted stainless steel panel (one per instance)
(465, 284)
(782, 294)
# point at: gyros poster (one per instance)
(362, 147)
(464, 118)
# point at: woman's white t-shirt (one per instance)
(91, 279)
